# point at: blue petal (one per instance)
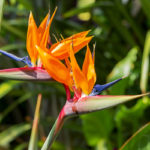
(27, 61)
(99, 88)
(12, 56)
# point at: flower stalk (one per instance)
(33, 138)
(54, 131)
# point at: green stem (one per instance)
(33, 138)
(54, 132)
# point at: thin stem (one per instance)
(33, 138)
(54, 132)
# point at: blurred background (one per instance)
(122, 37)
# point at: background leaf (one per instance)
(1, 11)
(124, 119)
(140, 140)
(146, 6)
(11, 133)
(98, 127)
(123, 68)
(10, 108)
(6, 87)
(145, 64)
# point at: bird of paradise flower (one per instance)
(46, 64)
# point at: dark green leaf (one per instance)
(11, 133)
(123, 68)
(140, 140)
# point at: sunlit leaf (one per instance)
(145, 64)
(1, 11)
(6, 87)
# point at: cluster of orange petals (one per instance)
(69, 73)
(37, 35)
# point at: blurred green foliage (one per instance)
(140, 140)
(119, 28)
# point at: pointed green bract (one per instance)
(95, 103)
(25, 74)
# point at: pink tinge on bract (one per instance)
(26, 73)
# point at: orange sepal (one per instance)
(56, 69)
(43, 25)
(45, 35)
(32, 39)
(80, 45)
(67, 62)
(78, 35)
(75, 36)
(61, 50)
(78, 76)
(89, 70)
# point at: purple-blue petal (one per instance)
(99, 88)
(27, 61)
(14, 57)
